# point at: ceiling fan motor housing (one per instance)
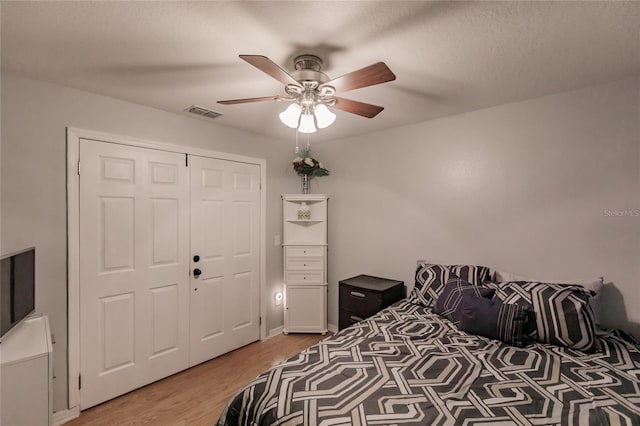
(308, 69)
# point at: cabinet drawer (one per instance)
(305, 263)
(304, 277)
(361, 302)
(304, 251)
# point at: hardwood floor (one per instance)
(198, 395)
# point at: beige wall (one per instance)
(522, 187)
(34, 118)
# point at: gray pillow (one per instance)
(431, 279)
(563, 316)
(595, 285)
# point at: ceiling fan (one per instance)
(311, 91)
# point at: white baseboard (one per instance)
(333, 328)
(61, 417)
(275, 331)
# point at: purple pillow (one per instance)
(449, 303)
(494, 319)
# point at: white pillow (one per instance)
(593, 285)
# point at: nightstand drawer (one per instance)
(304, 263)
(304, 251)
(347, 318)
(365, 295)
(359, 301)
(304, 277)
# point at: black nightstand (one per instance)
(364, 295)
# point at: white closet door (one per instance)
(134, 260)
(225, 222)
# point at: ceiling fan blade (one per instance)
(355, 107)
(368, 76)
(267, 66)
(247, 100)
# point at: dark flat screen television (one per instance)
(17, 288)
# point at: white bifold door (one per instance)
(169, 264)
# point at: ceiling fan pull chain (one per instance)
(308, 143)
(297, 146)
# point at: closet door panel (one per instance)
(225, 229)
(134, 283)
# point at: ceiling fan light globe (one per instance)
(324, 117)
(306, 124)
(291, 116)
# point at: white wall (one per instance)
(521, 187)
(34, 117)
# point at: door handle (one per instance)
(196, 258)
(197, 272)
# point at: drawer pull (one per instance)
(358, 295)
(355, 318)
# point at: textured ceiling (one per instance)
(449, 57)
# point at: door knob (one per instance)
(197, 272)
(196, 258)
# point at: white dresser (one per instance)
(26, 374)
(305, 262)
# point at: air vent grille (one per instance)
(203, 112)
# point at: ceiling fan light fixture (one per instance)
(291, 116)
(306, 124)
(324, 117)
(312, 92)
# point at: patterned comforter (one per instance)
(407, 365)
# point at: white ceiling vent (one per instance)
(203, 112)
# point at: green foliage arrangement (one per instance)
(305, 164)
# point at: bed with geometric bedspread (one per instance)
(408, 365)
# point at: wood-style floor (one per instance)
(198, 395)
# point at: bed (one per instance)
(409, 364)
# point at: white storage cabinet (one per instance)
(27, 374)
(305, 262)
